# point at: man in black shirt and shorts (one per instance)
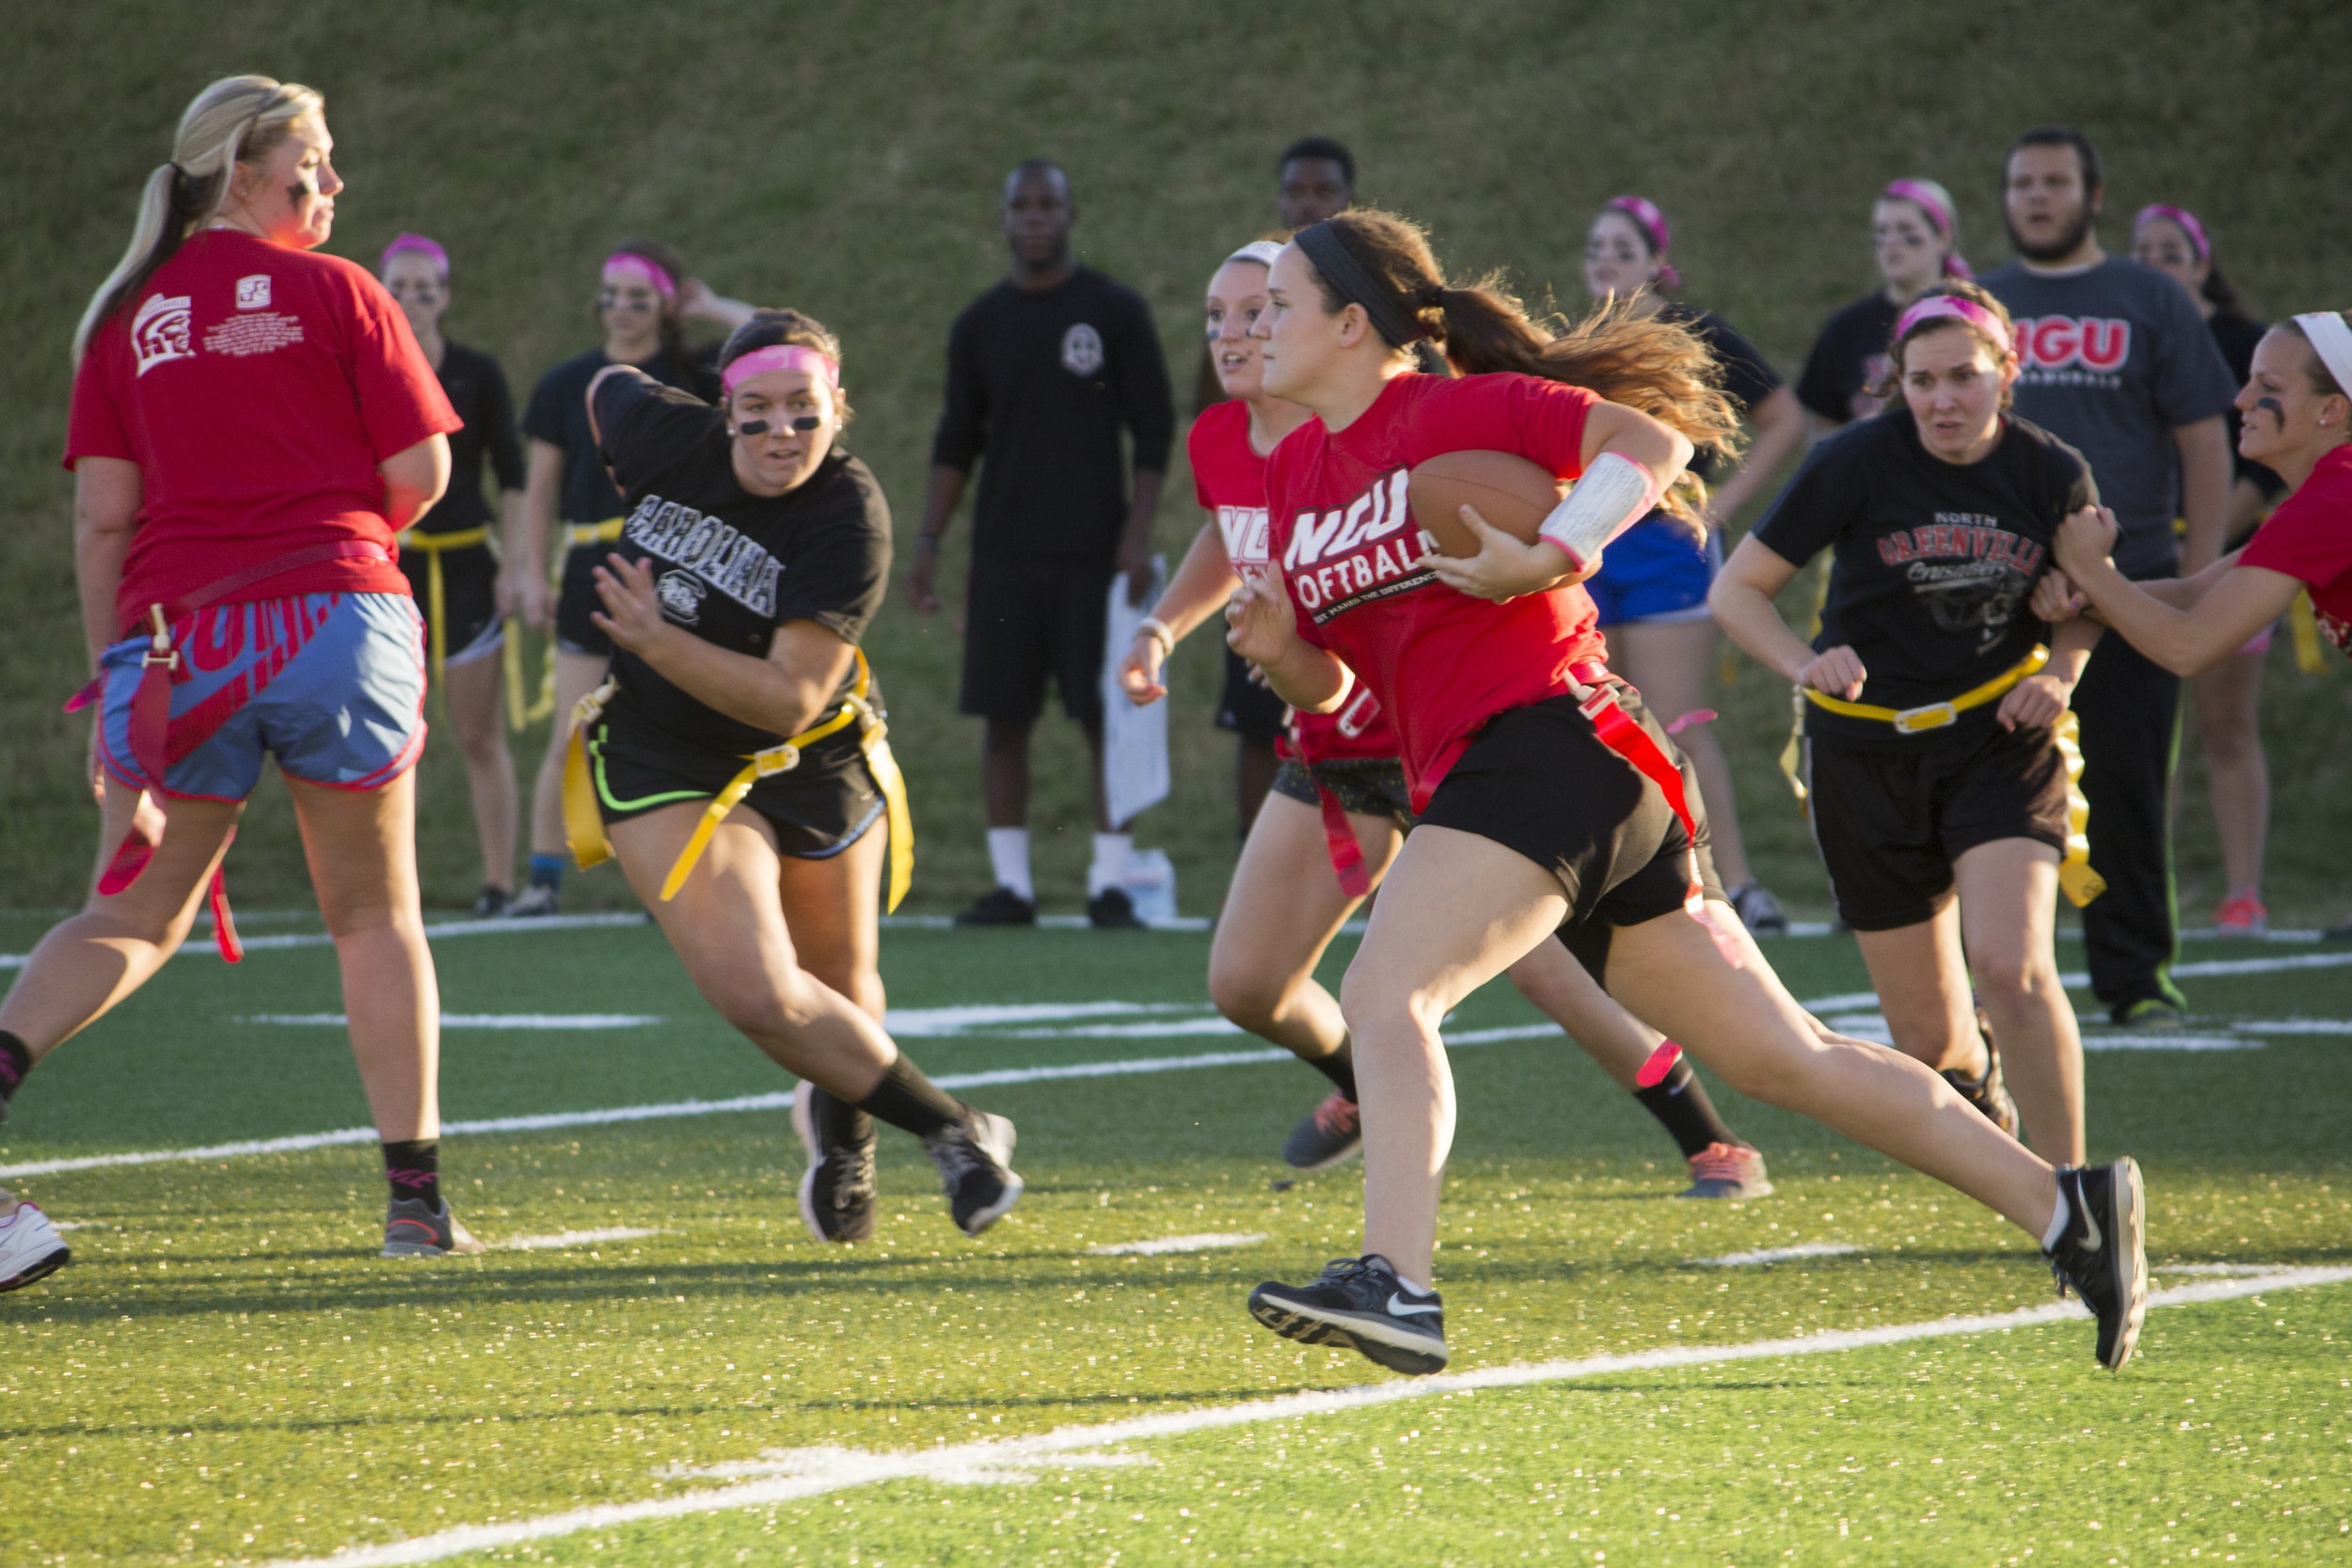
(2115, 362)
(1043, 370)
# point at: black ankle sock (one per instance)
(414, 1169)
(1680, 1105)
(837, 1121)
(1339, 1067)
(907, 1100)
(16, 1060)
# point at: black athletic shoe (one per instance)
(491, 902)
(1759, 911)
(975, 1161)
(2103, 1253)
(1988, 1094)
(1359, 1304)
(1111, 909)
(415, 1228)
(837, 1190)
(999, 906)
(1331, 1133)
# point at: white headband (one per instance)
(1261, 251)
(2332, 339)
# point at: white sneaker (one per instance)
(30, 1247)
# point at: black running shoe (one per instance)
(2103, 1253)
(1360, 1303)
(999, 906)
(975, 1161)
(415, 1228)
(491, 902)
(1331, 1133)
(1988, 1094)
(837, 1191)
(1759, 911)
(1111, 909)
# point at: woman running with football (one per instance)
(738, 756)
(252, 423)
(2294, 417)
(1938, 746)
(1549, 799)
(1339, 810)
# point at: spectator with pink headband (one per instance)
(451, 566)
(644, 299)
(1914, 234)
(2227, 697)
(1651, 587)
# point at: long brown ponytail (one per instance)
(1650, 363)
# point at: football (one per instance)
(1510, 492)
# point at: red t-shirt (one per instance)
(257, 389)
(1441, 662)
(1229, 479)
(2310, 538)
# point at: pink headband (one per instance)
(1652, 222)
(1936, 203)
(416, 245)
(780, 357)
(1935, 306)
(2182, 216)
(645, 269)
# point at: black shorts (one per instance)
(818, 809)
(1025, 620)
(1890, 823)
(1248, 708)
(576, 597)
(469, 581)
(1365, 786)
(1538, 780)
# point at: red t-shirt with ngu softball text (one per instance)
(1441, 662)
(1229, 479)
(256, 388)
(2310, 538)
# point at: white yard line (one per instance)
(1780, 1254)
(789, 1475)
(572, 1239)
(1207, 1242)
(480, 1021)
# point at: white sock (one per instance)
(2058, 1222)
(1109, 869)
(1009, 858)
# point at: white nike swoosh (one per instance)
(1399, 1308)
(2093, 1237)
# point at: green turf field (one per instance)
(228, 1374)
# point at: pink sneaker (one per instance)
(1729, 1170)
(2241, 917)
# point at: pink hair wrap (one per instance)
(1935, 204)
(780, 357)
(416, 245)
(645, 269)
(1957, 308)
(1652, 223)
(2183, 218)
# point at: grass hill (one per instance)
(844, 160)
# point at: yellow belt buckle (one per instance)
(776, 760)
(1934, 716)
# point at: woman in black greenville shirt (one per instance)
(1934, 714)
(737, 752)
(449, 561)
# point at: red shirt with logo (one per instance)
(1229, 480)
(2310, 538)
(256, 388)
(1441, 662)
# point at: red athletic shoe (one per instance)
(2241, 917)
(1727, 1170)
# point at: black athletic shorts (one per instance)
(1537, 779)
(1367, 786)
(1248, 708)
(1025, 620)
(818, 809)
(1890, 823)
(469, 580)
(576, 597)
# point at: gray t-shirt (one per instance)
(2115, 359)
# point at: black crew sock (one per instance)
(907, 1100)
(1680, 1105)
(838, 1124)
(414, 1169)
(16, 1060)
(1339, 1067)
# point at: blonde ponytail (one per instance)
(238, 118)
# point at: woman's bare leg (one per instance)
(1670, 664)
(831, 909)
(2008, 910)
(477, 711)
(361, 846)
(1921, 974)
(2227, 701)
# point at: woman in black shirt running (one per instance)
(1934, 707)
(737, 752)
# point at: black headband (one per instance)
(1345, 273)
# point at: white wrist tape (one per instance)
(1614, 494)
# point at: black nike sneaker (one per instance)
(1329, 1133)
(1988, 1094)
(999, 905)
(837, 1192)
(975, 1161)
(1360, 1303)
(1111, 909)
(2102, 1254)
